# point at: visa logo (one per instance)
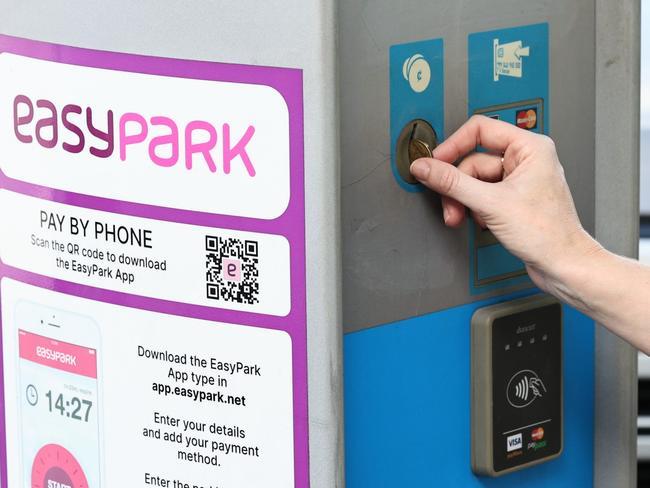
(514, 442)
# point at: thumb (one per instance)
(446, 179)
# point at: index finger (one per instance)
(479, 130)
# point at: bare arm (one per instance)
(613, 290)
(519, 192)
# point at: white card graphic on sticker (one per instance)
(508, 59)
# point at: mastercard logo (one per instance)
(537, 434)
(527, 119)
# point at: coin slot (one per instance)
(417, 140)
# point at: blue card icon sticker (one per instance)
(507, 79)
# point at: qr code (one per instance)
(231, 270)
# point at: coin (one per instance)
(419, 149)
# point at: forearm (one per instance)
(613, 290)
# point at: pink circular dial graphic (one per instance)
(54, 464)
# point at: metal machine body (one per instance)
(411, 285)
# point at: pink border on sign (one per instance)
(288, 82)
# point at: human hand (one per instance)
(518, 191)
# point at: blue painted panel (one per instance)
(485, 91)
(507, 79)
(416, 92)
(494, 260)
(407, 406)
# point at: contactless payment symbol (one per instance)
(524, 388)
(55, 466)
(417, 72)
(508, 58)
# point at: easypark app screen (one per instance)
(58, 403)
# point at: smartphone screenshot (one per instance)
(59, 396)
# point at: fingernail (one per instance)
(420, 170)
(445, 215)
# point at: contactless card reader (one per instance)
(516, 385)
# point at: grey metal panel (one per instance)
(644, 176)
(617, 228)
(298, 35)
(400, 261)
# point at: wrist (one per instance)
(573, 269)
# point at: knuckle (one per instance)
(477, 118)
(547, 141)
(448, 180)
